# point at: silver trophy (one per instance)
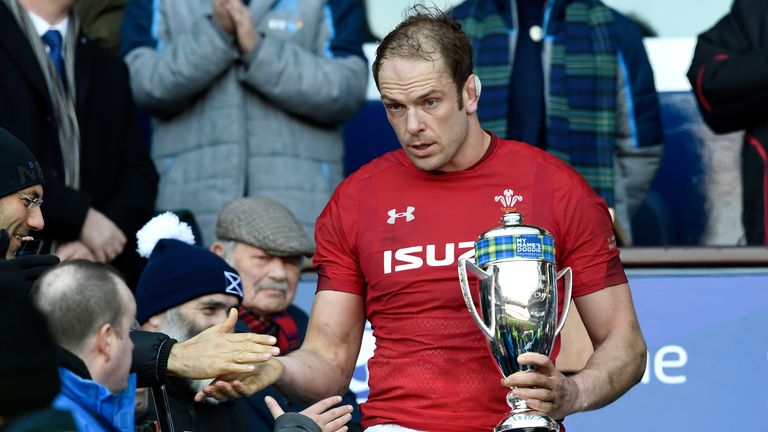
(515, 265)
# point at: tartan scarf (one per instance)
(280, 325)
(581, 85)
(62, 94)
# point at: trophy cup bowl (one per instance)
(518, 305)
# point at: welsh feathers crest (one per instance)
(508, 200)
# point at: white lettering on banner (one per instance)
(413, 257)
(666, 358)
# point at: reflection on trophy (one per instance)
(515, 265)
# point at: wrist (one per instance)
(249, 44)
(171, 360)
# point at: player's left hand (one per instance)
(545, 389)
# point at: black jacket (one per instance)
(187, 415)
(150, 357)
(729, 75)
(117, 176)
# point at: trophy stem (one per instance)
(518, 405)
(524, 419)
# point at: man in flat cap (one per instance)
(265, 243)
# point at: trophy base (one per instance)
(527, 423)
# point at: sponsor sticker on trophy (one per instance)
(518, 313)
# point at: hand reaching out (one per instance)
(216, 352)
(233, 386)
(329, 419)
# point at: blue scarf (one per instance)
(581, 104)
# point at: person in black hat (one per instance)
(69, 101)
(21, 193)
(184, 290)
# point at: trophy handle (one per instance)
(568, 273)
(466, 293)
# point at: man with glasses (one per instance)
(157, 355)
(100, 182)
(21, 193)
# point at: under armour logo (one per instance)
(234, 286)
(407, 214)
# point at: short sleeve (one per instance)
(336, 258)
(587, 243)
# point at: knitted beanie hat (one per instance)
(178, 271)
(18, 167)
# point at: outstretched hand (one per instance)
(218, 352)
(233, 386)
(545, 389)
(22, 270)
(328, 418)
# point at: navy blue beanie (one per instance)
(18, 167)
(178, 272)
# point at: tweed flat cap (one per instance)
(263, 223)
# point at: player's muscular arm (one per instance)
(618, 362)
(616, 365)
(324, 364)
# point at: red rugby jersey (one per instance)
(393, 234)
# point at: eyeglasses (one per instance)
(32, 203)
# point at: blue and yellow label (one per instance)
(526, 246)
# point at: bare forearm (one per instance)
(614, 367)
(309, 377)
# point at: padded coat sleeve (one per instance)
(150, 357)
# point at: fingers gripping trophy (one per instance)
(515, 265)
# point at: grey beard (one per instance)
(175, 326)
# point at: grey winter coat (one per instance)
(267, 123)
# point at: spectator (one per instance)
(247, 99)
(728, 74)
(265, 243)
(578, 84)
(389, 239)
(28, 378)
(21, 193)
(89, 311)
(183, 291)
(68, 99)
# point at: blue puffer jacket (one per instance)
(95, 408)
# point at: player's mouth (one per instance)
(421, 149)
